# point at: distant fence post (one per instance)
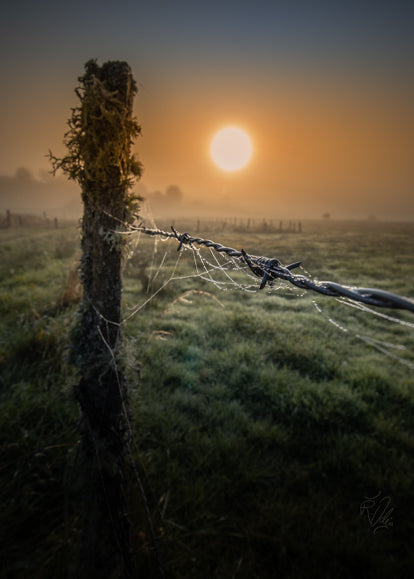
(99, 141)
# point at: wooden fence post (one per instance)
(99, 140)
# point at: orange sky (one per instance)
(325, 96)
(343, 150)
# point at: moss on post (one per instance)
(101, 132)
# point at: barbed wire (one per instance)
(270, 269)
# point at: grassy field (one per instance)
(263, 420)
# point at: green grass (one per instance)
(260, 427)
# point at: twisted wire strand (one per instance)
(270, 269)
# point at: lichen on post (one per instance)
(101, 131)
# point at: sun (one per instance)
(231, 149)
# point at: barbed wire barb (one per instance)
(270, 269)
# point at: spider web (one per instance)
(387, 334)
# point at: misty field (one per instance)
(273, 430)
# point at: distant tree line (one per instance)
(172, 197)
(25, 193)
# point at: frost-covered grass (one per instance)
(260, 427)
